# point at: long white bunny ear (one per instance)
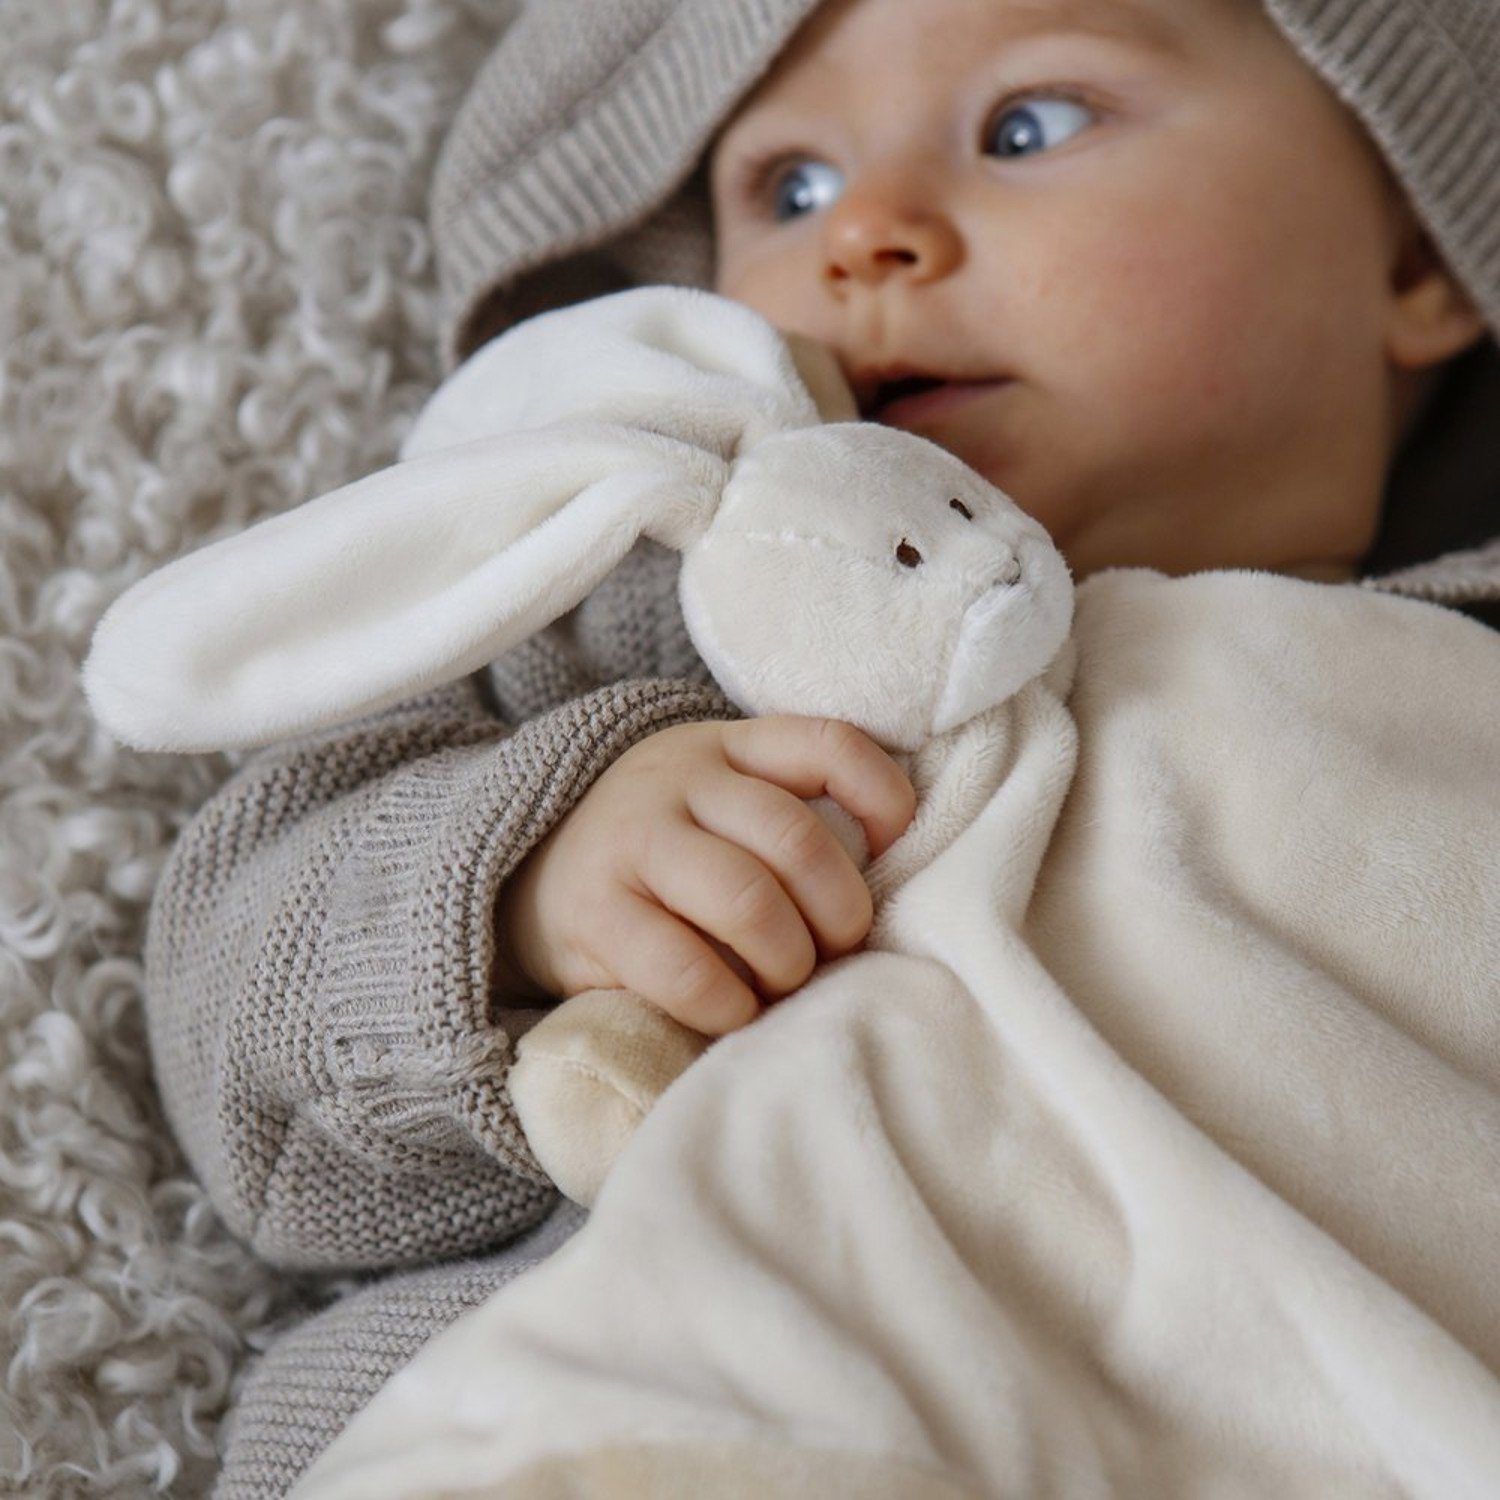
(403, 580)
(527, 477)
(686, 363)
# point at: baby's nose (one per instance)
(873, 232)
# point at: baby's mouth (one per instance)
(896, 403)
(895, 390)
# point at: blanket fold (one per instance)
(1150, 1149)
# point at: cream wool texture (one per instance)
(216, 298)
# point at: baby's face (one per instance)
(1144, 230)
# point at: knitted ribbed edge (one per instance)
(512, 192)
(1424, 76)
(414, 1063)
(1455, 579)
(319, 993)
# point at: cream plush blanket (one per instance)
(1151, 1150)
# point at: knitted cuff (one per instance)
(418, 1056)
(586, 118)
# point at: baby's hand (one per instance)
(704, 826)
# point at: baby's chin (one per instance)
(1321, 572)
(978, 430)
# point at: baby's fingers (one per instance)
(664, 961)
(730, 895)
(811, 757)
(798, 847)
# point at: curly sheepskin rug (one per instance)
(217, 299)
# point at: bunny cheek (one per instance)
(792, 624)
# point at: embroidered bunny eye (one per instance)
(907, 555)
(962, 509)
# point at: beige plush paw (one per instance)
(585, 1076)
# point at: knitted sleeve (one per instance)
(320, 958)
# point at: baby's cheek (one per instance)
(777, 286)
(1245, 293)
(1186, 328)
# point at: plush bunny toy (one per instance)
(830, 567)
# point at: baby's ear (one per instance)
(1432, 317)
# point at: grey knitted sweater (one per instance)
(329, 1042)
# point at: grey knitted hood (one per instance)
(575, 167)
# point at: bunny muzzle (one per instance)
(1009, 634)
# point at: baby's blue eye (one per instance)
(809, 186)
(1043, 121)
(1023, 129)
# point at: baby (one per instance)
(1133, 260)
(1134, 263)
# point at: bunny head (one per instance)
(866, 574)
(830, 567)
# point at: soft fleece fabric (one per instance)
(289, 845)
(1151, 1152)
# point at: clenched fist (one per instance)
(693, 869)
